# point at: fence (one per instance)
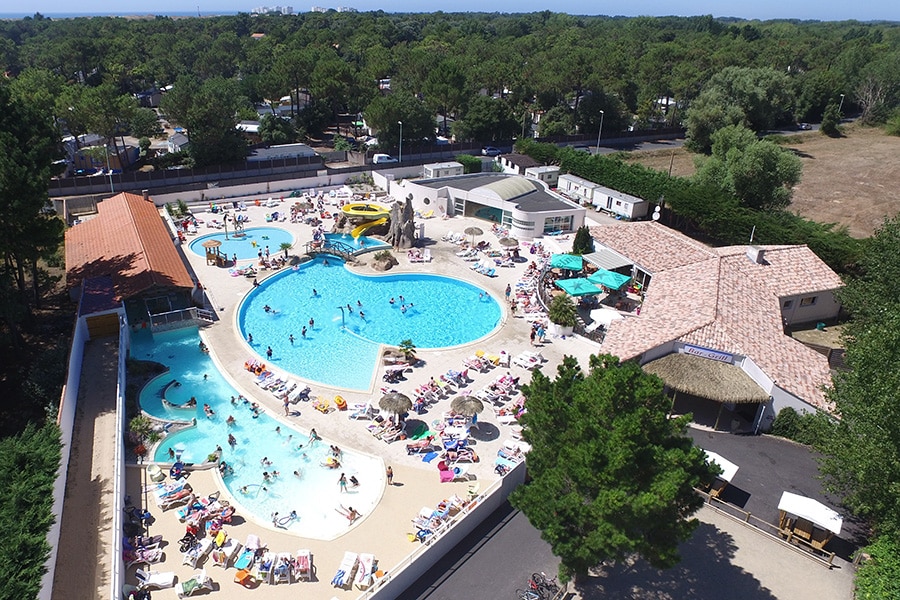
(117, 574)
(174, 319)
(769, 530)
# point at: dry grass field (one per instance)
(853, 180)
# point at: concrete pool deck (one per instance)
(416, 484)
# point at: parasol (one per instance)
(473, 231)
(508, 242)
(466, 405)
(395, 402)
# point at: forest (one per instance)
(481, 74)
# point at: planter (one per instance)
(559, 330)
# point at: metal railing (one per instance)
(174, 319)
(773, 532)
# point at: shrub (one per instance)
(879, 573)
(806, 428)
(383, 255)
(562, 311)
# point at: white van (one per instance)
(380, 159)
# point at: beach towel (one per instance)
(429, 457)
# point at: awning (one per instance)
(811, 510)
(608, 259)
(605, 316)
(610, 279)
(706, 378)
(579, 286)
(570, 262)
(729, 469)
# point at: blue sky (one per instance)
(824, 10)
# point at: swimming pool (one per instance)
(314, 495)
(341, 348)
(248, 245)
(358, 243)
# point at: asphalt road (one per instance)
(500, 555)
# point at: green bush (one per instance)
(806, 428)
(879, 573)
(471, 164)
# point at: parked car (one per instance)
(490, 151)
(804, 126)
(380, 159)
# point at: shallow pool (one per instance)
(357, 243)
(353, 316)
(247, 245)
(315, 494)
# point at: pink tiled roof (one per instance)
(719, 298)
(128, 241)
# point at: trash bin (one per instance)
(820, 326)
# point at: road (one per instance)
(500, 555)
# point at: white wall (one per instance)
(826, 307)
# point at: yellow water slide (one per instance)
(358, 230)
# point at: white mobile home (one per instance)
(620, 204)
(549, 174)
(444, 169)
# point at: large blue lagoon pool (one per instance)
(353, 316)
(315, 494)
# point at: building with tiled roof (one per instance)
(731, 304)
(128, 243)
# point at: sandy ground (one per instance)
(851, 180)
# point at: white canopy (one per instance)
(605, 316)
(811, 510)
(729, 469)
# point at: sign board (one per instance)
(702, 352)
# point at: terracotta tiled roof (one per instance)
(718, 298)
(128, 241)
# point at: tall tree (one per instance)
(862, 454)
(487, 119)
(610, 474)
(28, 146)
(759, 173)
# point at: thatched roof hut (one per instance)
(706, 378)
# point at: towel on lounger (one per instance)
(429, 457)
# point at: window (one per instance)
(426, 201)
(788, 304)
(808, 301)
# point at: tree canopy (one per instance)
(610, 474)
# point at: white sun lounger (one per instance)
(155, 579)
(281, 572)
(195, 555)
(224, 555)
(364, 574)
(344, 575)
(303, 565)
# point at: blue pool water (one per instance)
(358, 243)
(314, 495)
(247, 246)
(342, 347)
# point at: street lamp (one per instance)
(400, 157)
(108, 170)
(841, 105)
(599, 133)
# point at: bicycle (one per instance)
(547, 587)
(528, 595)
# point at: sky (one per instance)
(822, 10)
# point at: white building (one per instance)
(729, 305)
(526, 207)
(280, 152)
(603, 198)
(442, 169)
(549, 174)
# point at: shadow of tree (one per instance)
(705, 572)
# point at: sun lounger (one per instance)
(142, 556)
(344, 574)
(366, 570)
(155, 579)
(197, 552)
(199, 582)
(247, 556)
(264, 565)
(283, 567)
(223, 555)
(303, 565)
(323, 405)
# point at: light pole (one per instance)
(108, 170)
(600, 132)
(400, 157)
(841, 105)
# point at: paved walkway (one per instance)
(85, 544)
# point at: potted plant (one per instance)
(409, 351)
(562, 315)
